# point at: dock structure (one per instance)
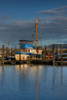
(56, 55)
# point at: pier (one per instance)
(56, 55)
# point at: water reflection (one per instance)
(56, 74)
(61, 75)
(33, 82)
(45, 73)
(2, 78)
(32, 71)
(53, 76)
(28, 68)
(37, 83)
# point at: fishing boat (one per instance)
(27, 49)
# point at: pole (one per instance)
(61, 46)
(53, 54)
(45, 52)
(3, 54)
(19, 52)
(36, 34)
(57, 51)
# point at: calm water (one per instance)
(33, 82)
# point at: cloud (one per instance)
(16, 30)
(50, 30)
(4, 17)
(61, 8)
(55, 11)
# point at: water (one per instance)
(33, 82)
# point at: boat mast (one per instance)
(36, 34)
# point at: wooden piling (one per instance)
(61, 53)
(19, 53)
(57, 51)
(15, 49)
(6, 52)
(53, 54)
(11, 52)
(45, 52)
(3, 54)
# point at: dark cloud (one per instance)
(53, 27)
(55, 11)
(4, 17)
(61, 8)
(50, 30)
(16, 30)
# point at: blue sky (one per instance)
(17, 20)
(27, 9)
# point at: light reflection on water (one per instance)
(33, 82)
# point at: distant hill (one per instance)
(50, 46)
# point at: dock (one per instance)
(50, 56)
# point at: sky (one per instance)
(18, 17)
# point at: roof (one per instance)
(25, 41)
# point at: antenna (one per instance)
(8, 44)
